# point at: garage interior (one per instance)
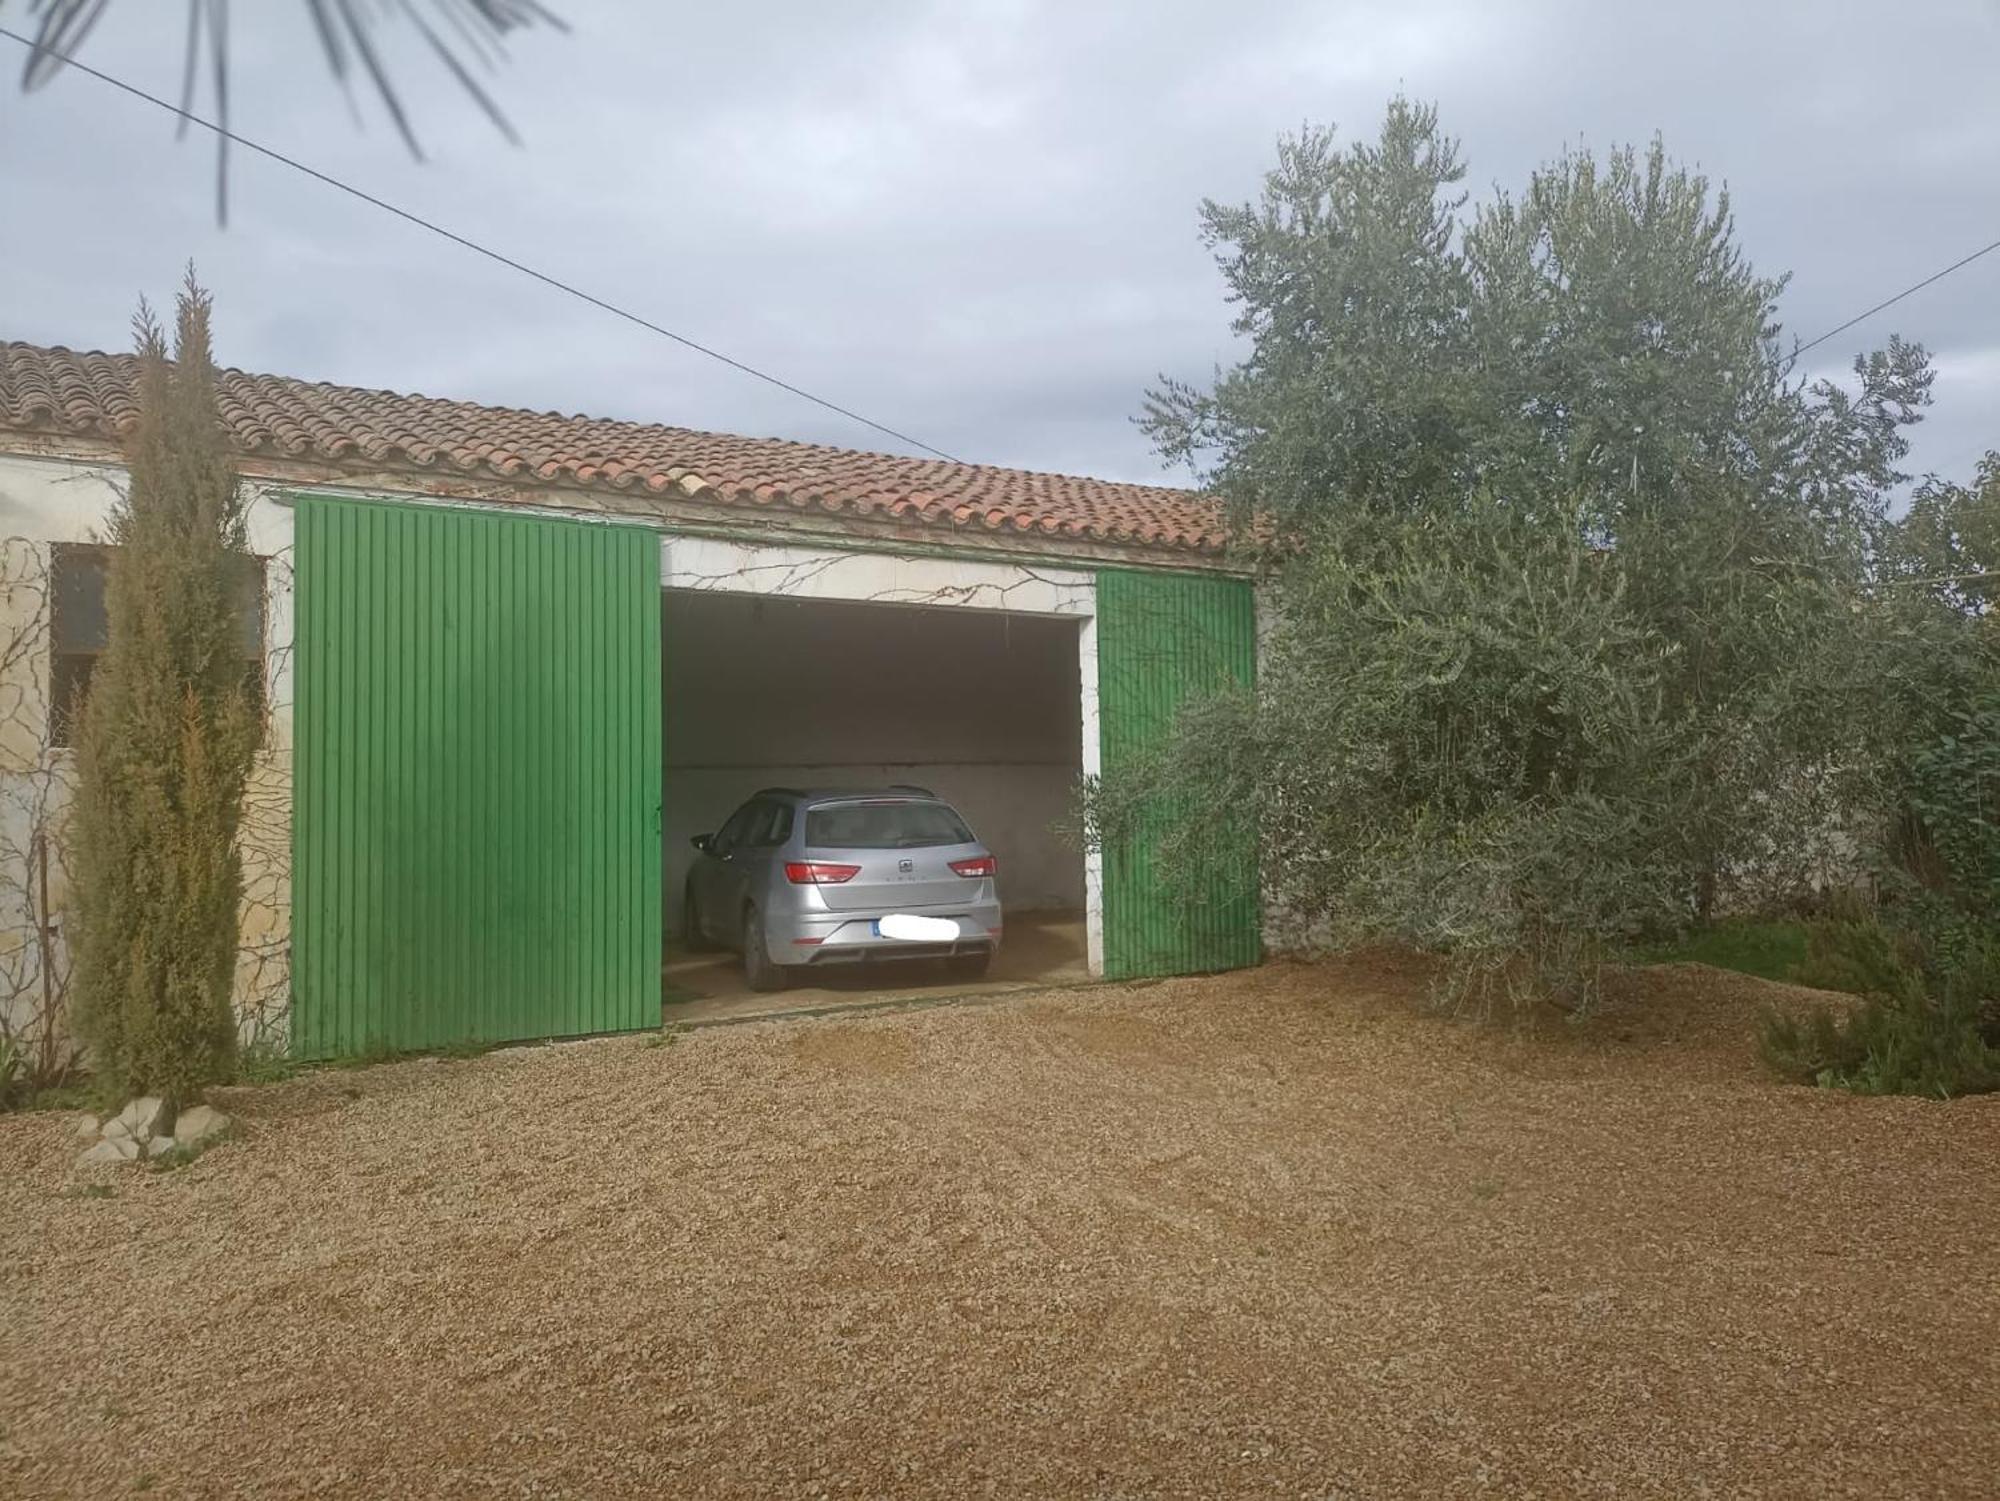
(981, 707)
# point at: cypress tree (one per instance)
(167, 735)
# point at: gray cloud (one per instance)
(974, 221)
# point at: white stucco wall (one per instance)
(945, 698)
(1005, 736)
(44, 501)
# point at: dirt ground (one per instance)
(1270, 1234)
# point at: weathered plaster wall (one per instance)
(44, 501)
(60, 493)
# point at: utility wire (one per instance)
(478, 249)
(1891, 302)
(234, 138)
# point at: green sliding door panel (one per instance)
(476, 804)
(1164, 640)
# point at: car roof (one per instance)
(904, 792)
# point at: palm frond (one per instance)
(462, 34)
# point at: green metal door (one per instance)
(1162, 641)
(476, 804)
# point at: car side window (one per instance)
(768, 832)
(754, 826)
(730, 836)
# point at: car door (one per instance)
(769, 827)
(751, 865)
(717, 887)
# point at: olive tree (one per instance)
(1566, 559)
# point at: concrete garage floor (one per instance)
(1040, 950)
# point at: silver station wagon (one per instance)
(801, 879)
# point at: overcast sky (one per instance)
(974, 220)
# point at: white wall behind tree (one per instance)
(979, 706)
(50, 500)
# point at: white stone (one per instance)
(86, 1127)
(199, 1124)
(122, 1149)
(115, 1129)
(159, 1145)
(142, 1115)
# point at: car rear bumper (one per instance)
(815, 938)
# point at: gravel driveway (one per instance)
(1275, 1233)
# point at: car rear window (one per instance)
(884, 825)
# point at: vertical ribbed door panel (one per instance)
(476, 817)
(1163, 640)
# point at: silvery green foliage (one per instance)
(1569, 565)
(1598, 341)
(1936, 669)
(1946, 548)
(1458, 744)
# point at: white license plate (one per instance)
(911, 928)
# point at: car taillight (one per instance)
(819, 872)
(979, 865)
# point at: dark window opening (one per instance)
(730, 836)
(771, 828)
(884, 825)
(80, 630)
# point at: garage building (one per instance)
(515, 661)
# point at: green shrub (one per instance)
(1955, 791)
(1928, 1022)
(1860, 955)
(265, 1062)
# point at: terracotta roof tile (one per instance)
(55, 390)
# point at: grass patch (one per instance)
(1769, 949)
(265, 1063)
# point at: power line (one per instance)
(492, 255)
(247, 144)
(1891, 302)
